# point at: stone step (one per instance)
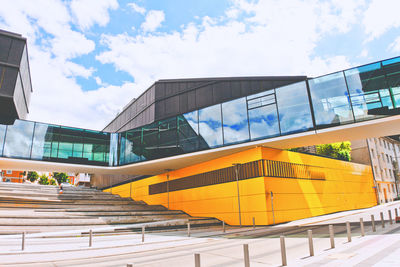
(83, 208)
(56, 194)
(45, 201)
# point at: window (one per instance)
(373, 152)
(263, 115)
(331, 100)
(387, 157)
(210, 126)
(235, 121)
(8, 172)
(369, 93)
(293, 108)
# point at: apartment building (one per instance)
(383, 153)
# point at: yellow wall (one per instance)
(347, 186)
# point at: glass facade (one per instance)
(294, 108)
(357, 94)
(235, 121)
(330, 100)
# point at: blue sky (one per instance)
(89, 58)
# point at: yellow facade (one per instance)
(345, 186)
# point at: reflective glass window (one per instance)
(188, 131)
(330, 100)
(210, 126)
(96, 146)
(391, 68)
(3, 129)
(263, 115)
(168, 138)
(293, 108)
(235, 122)
(18, 141)
(150, 141)
(122, 148)
(369, 93)
(42, 141)
(113, 159)
(133, 146)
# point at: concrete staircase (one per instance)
(38, 208)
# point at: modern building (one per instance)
(15, 79)
(382, 154)
(204, 138)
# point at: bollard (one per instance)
(254, 223)
(362, 227)
(143, 229)
(188, 229)
(348, 231)
(90, 237)
(196, 260)
(383, 221)
(373, 223)
(23, 241)
(223, 226)
(129, 265)
(332, 236)
(390, 216)
(396, 212)
(246, 255)
(283, 251)
(310, 242)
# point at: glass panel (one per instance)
(133, 146)
(188, 131)
(96, 146)
(122, 150)
(392, 71)
(19, 139)
(113, 159)
(150, 141)
(210, 126)
(263, 122)
(369, 93)
(294, 108)
(168, 144)
(2, 136)
(42, 140)
(236, 125)
(330, 100)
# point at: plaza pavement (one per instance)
(174, 248)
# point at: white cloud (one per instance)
(381, 16)
(137, 8)
(395, 46)
(277, 38)
(90, 12)
(364, 53)
(153, 20)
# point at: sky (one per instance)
(89, 58)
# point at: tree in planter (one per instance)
(33, 176)
(61, 177)
(44, 180)
(339, 150)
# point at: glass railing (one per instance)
(357, 94)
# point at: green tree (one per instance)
(61, 177)
(44, 180)
(33, 176)
(52, 182)
(341, 150)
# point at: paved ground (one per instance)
(174, 248)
